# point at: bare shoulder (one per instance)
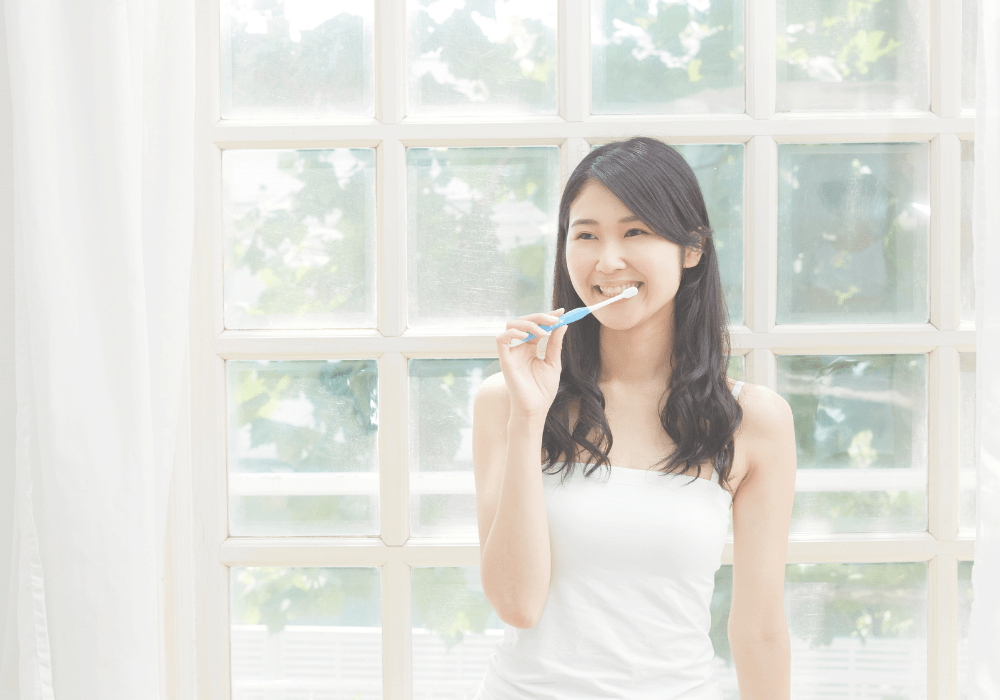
(764, 410)
(767, 422)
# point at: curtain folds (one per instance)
(984, 628)
(103, 114)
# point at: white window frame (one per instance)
(199, 605)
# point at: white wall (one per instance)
(7, 395)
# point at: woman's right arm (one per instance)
(508, 420)
(515, 558)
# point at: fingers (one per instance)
(553, 352)
(535, 324)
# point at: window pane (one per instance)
(455, 631)
(299, 238)
(723, 667)
(298, 58)
(673, 56)
(848, 55)
(968, 309)
(306, 632)
(857, 630)
(861, 439)
(442, 485)
(480, 57)
(481, 234)
(853, 225)
(968, 479)
(964, 615)
(303, 447)
(970, 36)
(736, 368)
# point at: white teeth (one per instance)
(615, 291)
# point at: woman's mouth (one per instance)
(610, 292)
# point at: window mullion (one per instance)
(390, 61)
(393, 461)
(761, 234)
(946, 57)
(942, 442)
(759, 50)
(942, 627)
(762, 368)
(397, 630)
(571, 153)
(574, 60)
(945, 231)
(390, 207)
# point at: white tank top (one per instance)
(634, 557)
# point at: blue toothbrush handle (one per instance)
(568, 317)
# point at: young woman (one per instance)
(601, 561)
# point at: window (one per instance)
(382, 180)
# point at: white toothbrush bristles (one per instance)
(630, 292)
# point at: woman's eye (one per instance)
(634, 230)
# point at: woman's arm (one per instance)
(762, 511)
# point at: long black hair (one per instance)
(701, 415)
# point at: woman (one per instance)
(605, 583)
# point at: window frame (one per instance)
(200, 605)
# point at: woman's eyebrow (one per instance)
(593, 222)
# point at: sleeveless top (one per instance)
(634, 557)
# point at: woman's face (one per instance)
(604, 246)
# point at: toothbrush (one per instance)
(576, 315)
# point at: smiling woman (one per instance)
(605, 580)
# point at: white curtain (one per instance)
(984, 629)
(103, 111)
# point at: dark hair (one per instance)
(701, 415)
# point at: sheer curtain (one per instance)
(984, 628)
(103, 111)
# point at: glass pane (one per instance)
(480, 57)
(455, 630)
(736, 369)
(861, 438)
(303, 447)
(667, 56)
(481, 234)
(299, 238)
(442, 485)
(968, 478)
(968, 282)
(970, 36)
(849, 55)
(306, 632)
(297, 58)
(964, 615)
(858, 630)
(853, 224)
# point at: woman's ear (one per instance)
(692, 255)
